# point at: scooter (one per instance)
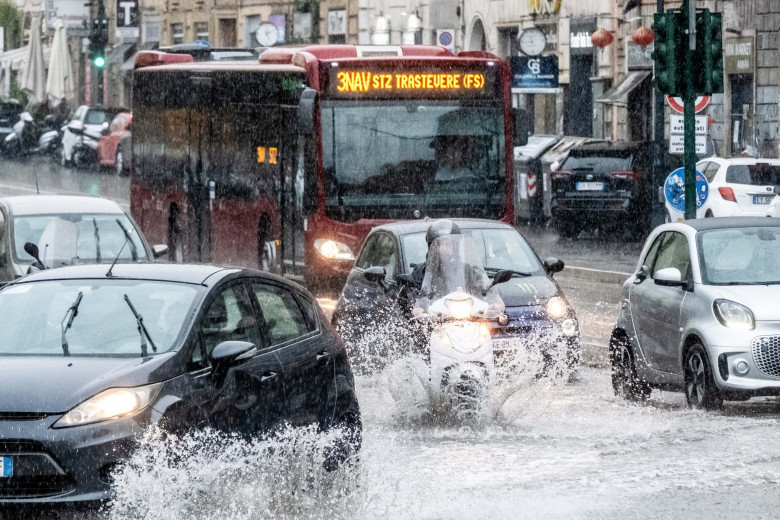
(28, 137)
(85, 150)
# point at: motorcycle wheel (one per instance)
(82, 158)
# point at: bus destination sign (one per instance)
(360, 83)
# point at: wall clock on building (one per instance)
(267, 34)
(532, 41)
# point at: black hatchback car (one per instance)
(605, 184)
(379, 292)
(89, 361)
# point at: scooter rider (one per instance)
(438, 229)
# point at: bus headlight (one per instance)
(331, 249)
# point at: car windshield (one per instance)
(498, 248)
(103, 325)
(390, 159)
(597, 164)
(95, 117)
(70, 238)
(740, 256)
(759, 174)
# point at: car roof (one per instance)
(405, 227)
(183, 273)
(705, 224)
(742, 160)
(610, 146)
(54, 204)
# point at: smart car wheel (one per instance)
(700, 389)
(625, 381)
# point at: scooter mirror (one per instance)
(375, 274)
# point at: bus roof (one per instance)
(224, 66)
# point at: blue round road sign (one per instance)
(674, 189)
(445, 38)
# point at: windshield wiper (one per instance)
(133, 248)
(141, 329)
(97, 241)
(71, 313)
(493, 270)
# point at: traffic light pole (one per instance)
(660, 146)
(689, 98)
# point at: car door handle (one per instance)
(323, 355)
(267, 376)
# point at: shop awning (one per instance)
(16, 59)
(619, 94)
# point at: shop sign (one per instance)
(579, 37)
(738, 55)
(540, 72)
(544, 6)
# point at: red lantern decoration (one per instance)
(643, 36)
(601, 38)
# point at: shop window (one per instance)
(177, 33)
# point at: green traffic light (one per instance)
(99, 61)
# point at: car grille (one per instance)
(766, 354)
(36, 473)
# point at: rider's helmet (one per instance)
(441, 228)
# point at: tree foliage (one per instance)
(11, 21)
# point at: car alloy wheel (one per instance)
(625, 381)
(119, 163)
(700, 390)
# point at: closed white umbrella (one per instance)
(32, 79)
(59, 82)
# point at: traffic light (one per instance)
(668, 57)
(709, 53)
(97, 55)
(98, 38)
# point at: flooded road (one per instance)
(552, 450)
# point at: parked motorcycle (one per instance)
(85, 149)
(29, 137)
(457, 302)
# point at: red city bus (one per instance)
(288, 163)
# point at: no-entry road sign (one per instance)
(677, 103)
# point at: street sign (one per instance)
(677, 103)
(677, 144)
(677, 125)
(674, 189)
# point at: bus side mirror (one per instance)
(306, 107)
(520, 135)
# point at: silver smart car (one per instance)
(702, 313)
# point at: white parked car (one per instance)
(740, 186)
(774, 207)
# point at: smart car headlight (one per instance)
(733, 315)
(333, 250)
(460, 309)
(109, 404)
(556, 307)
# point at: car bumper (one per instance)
(595, 207)
(65, 465)
(757, 353)
(541, 337)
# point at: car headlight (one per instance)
(460, 309)
(556, 307)
(733, 315)
(109, 404)
(331, 249)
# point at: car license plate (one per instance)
(7, 466)
(590, 186)
(762, 199)
(507, 344)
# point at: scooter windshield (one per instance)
(454, 265)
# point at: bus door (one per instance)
(291, 196)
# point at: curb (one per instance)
(596, 275)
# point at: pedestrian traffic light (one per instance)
(667, 29)
(709, 53)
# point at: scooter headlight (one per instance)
(460, 309)
(734, 315)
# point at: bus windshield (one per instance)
(391, 159)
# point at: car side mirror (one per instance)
(375, 274)
(669, 277)
(231, 353)
(32, 250)
(159, 250)
(501, 277)
(552, 265)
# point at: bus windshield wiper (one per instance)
(71, 313)
(141, 329)
(97, 241)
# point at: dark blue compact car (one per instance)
(380, 290)
(91, 357)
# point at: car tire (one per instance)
(700, 390)
(119, 164)
(709, 214)
(625, 381)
